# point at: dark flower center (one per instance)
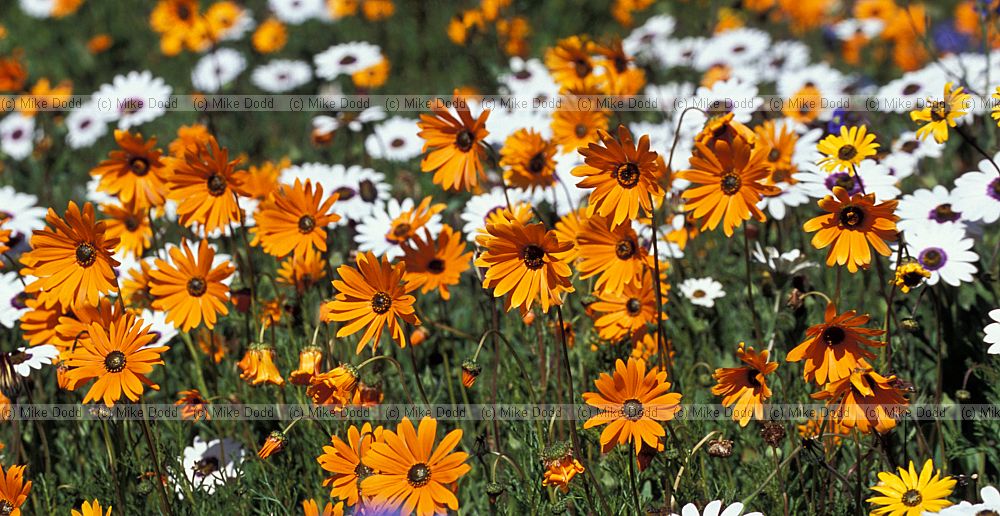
(401, 230)
(625, 249)
(774, 155)
(987, 512)
(533, 256)
(206, 466)
(852, 216)
(6, 507)
(216, 185)
(911, 88)
(731, 183)
(911, 498)
(933, 258)
(348, 60)
(993, 190)
(834, 335)
(582, 68)
(436, 266)
(419, 475)
(306, 223)
(381, 302)
(86, 255)
(944, 213)
(633, 306)
(464, 140)
(368, 191)
(910, 146)
(627, 175)
(752, 378)
(196, 287)
(131, 223)
(847, 152)
(632, 409)
(114, 362)
(397, 143)
(139, 165)
(537, 163)
(362, 471)
(580, 130)
(939, 111)
(345, 193)
(913, 279)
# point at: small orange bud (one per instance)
(418, 336)
(528, 318)
(274, 443)
(470, 371)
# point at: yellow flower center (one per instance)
(852, 216)
(381, 302)
(419, 475)
(627, 175)
(533, 256)
(216, 185)
(196, 287)
(306, 224)
(632, 409)
(847, 152)
(731, 183)
(86, 255)
(625, 249)
(139, 166)
(114, 362)
(911, 498)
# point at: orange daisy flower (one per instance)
(13, 489)
(833, 350)
(343, 460)
(864, 400)
(302, 272)
(436, 264)
(135, 286)
(568, 229)
(310, 508)
(130, 226)
(190, 289)
(621, 75)
(522, 260)
(727, 183)
(294, 220)
(72, 261)
(613, 253)
(133, 172)
(261, 181)
(116, 356)
(851, 223)
(625, 314)
(372, 296)
(205, 186)
(409, 222)
(74, 326)
(745, 387)
(574, 128)
(527, 159)
(411, 472)
(456, 147)
(781, 138)
(193, 405)
(624, 176)
(571, 64)
(633, 403)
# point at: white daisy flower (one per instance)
(481, 206)
(851, 27)
(672, 53)
(217, 69)
(373, 229)
(164, 330)
(133, 99)
(295, 12)
(790, 197)
(899, 95)
(666, 95)
(823, 77)
(319, 173)
(11, 304)
(353, 121)
(787, 263)
(361, 189)
(923, 207)
(210, 464)
(945, 251)
(871, 177)
(908, 143)
(989, 494)
(529, 78)
(38, 8)
(993, 333)
(783, 57)
(17, 136)
(239, 27)
(899, 164)
(714, 508)
(702, 291)
(641, 41)
(35, 358)
(85, 125)
(733, 48)
(569, 197)
(505, 122)
(346, 59)
(729, 96)
(21, 211)
(978, 193)
(281, 75)
(395, 140)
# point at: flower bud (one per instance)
(274, 444)
(470, 371)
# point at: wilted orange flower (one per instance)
(303, 272)
(573, 128)
(411, 472)
(851, 223)
(560, 468)
(372, 296)
(864, 400)
(310, 362)
(527, 159)
(343, 461)
(571, 63)
(72, 261)
(274, 444)
(189, 288)
(745, 388)
(269, 37)
(205, 186)
(727, 183)
(624, 176)
(833, 350)
(271, 312)
(134, 171)
(613, 254)
(633, 403)
(628, 313)
(294, 220)
(130, 226)
(436, 264)
(455, 145)
(13, 489)
(522, 260)
(257, 366)
(116, 356)
(193, 405)
(336, 387)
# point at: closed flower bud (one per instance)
(528, 318)
(910, 325)
(470, 371)
(418, 337)
(494, 490)
(274, 443)
(963, 395)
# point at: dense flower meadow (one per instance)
(383, 257)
